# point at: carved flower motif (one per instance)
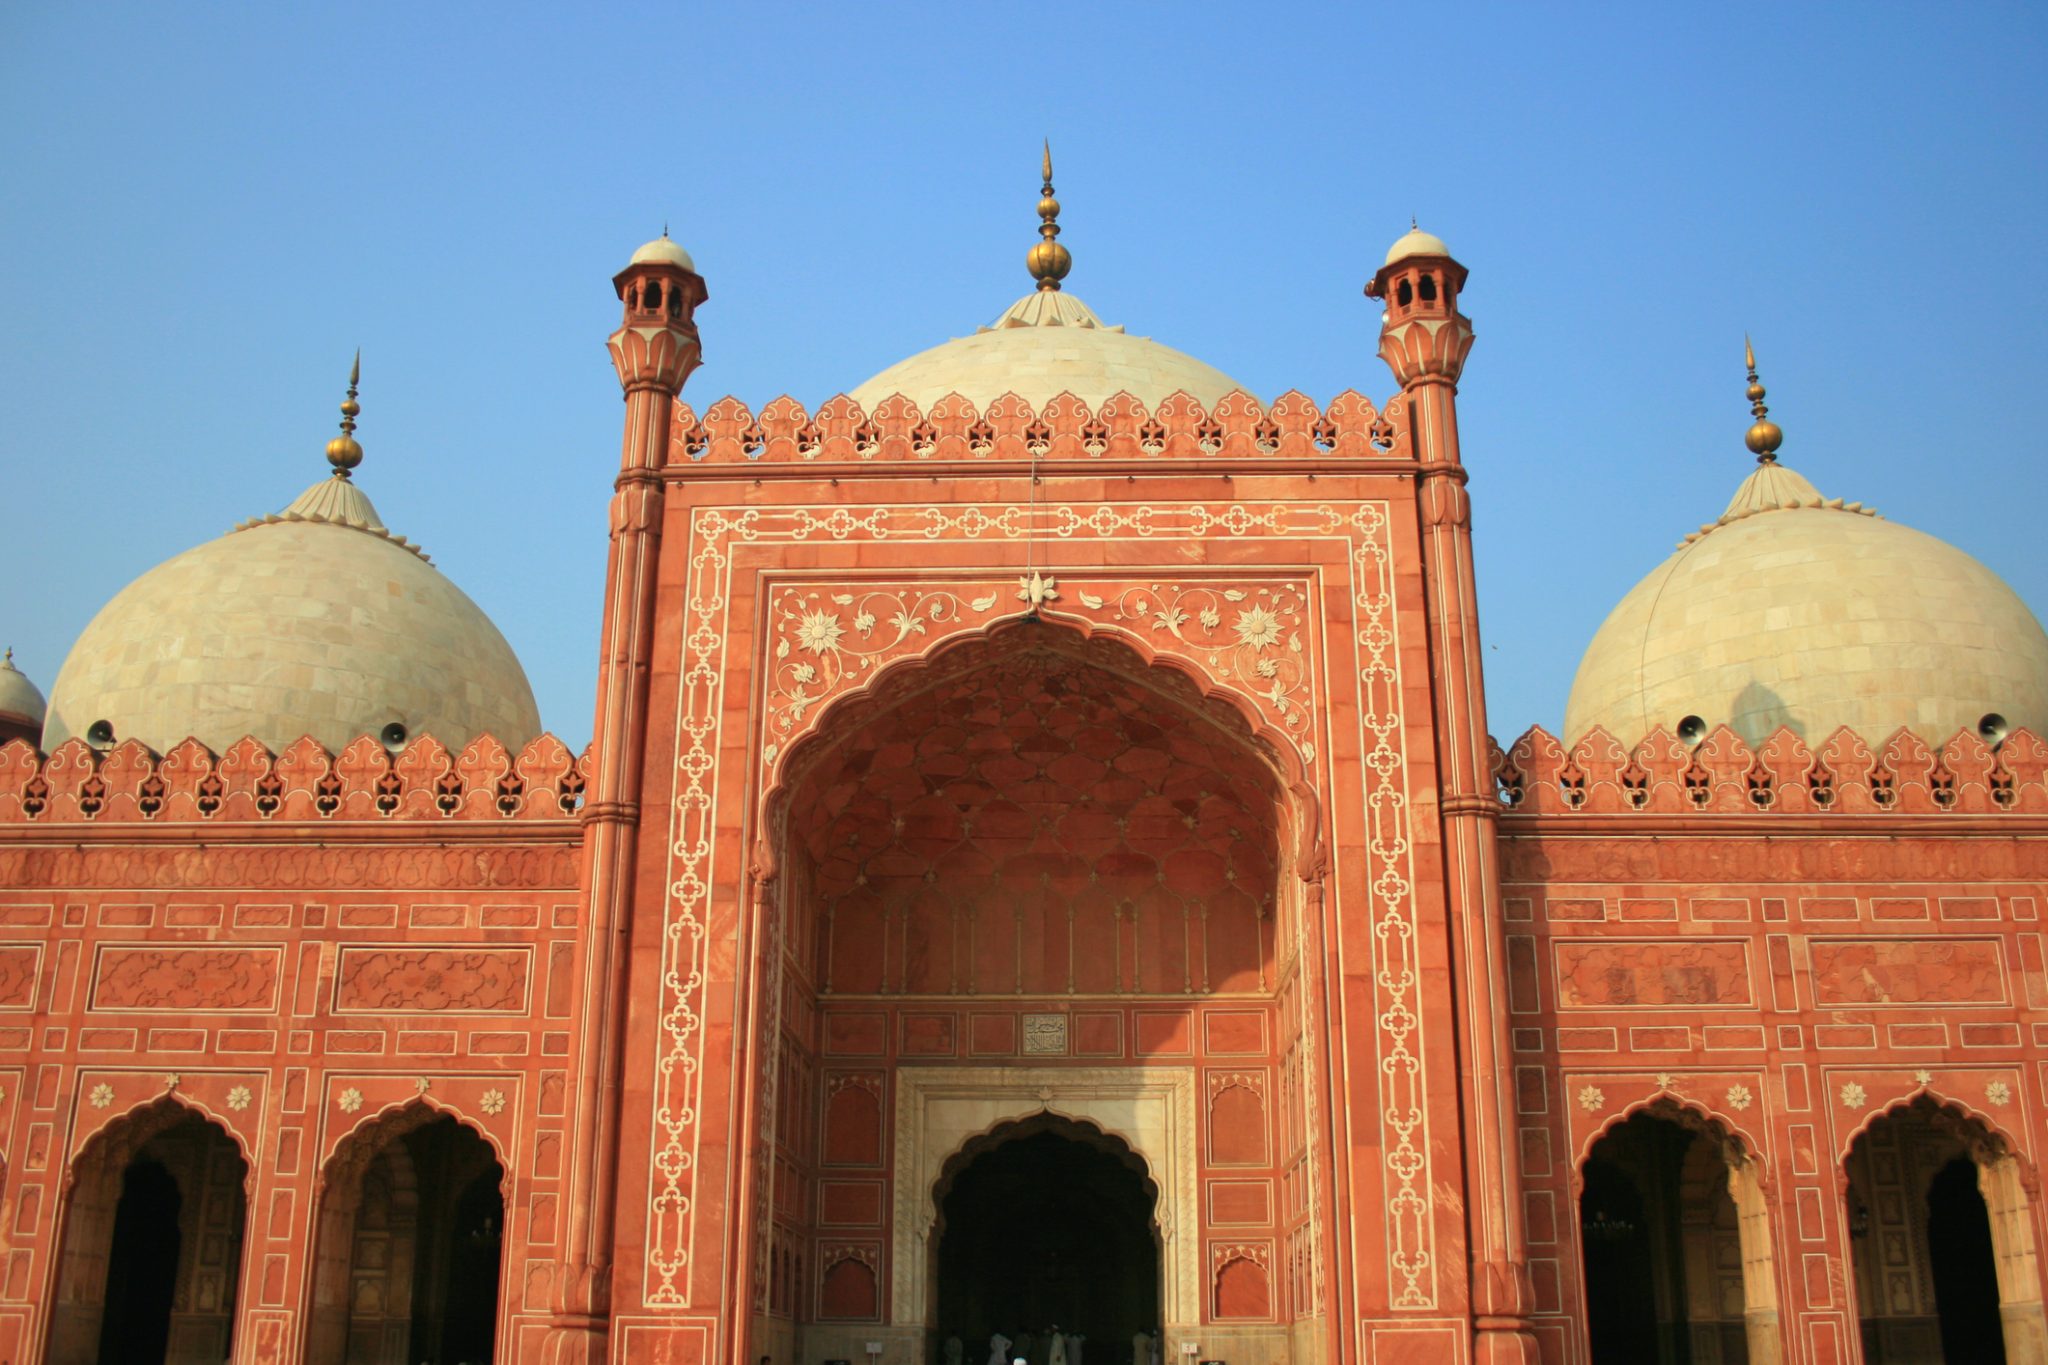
(1267, 668)
(102, 1095)
(238, 1098)
(819, 632)
(1739, 1097)
(804, 673)
(492, 1102)
(864, 622)
(1923, 1078)
(1853, 1095)
(1168, 618)
(1258, 627)
(350, 1100)
(1998, 1092)
(1210, 618)
(1035, 590)
(1591, 1098)
(1664, 1079)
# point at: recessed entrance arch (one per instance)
(408, 1246)
(1675, 1245)
(1941, 1237)
(1047, 1224)
(151, 1267)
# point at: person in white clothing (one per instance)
(998, 1350)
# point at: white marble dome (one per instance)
(316, 621)
(1795, 609)
(1045, 344)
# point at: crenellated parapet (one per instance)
(1293, 428)
(424, 781)
(1724, 775)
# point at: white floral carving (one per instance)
(1258, 627)
(350, 1100)
(1923, 1077)
(102, 1095)
(1592, 1097)
(1853, 1095)
(171, 1080)
(1664, 1080)
(238, 1098)
(819, 632)
(1035, 590)
(1999, 1093)
(492, 1102)
(1739, 1097)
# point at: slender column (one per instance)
(654, 352)
(1424, 341)
(1759, 1265)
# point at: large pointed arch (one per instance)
(200, 1175)
(370, 1187)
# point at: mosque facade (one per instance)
(1041, 883)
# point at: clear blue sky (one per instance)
(205, 208)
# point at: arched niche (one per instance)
(1032, 810)
(1676, 1248)
(1939, 1210)
(408, 1251)
(1046, 1221)
(153, 1244)
(947, 1116)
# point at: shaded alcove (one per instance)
(152, 1249)
(1036, 813)
(1661, 1241)
(1048, 1223)
(408, 1257)
(1940, 1234)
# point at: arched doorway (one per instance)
(1048, 1224)
(1661, 1239)
(409, 1248)
(1940, 1236)
(151, 1266)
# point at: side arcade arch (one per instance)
(154, 1222)
(1676, 1246)
(1938, 1202)
(408, 1249)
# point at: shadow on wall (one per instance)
(1759, 712)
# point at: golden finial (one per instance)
(343, 452)
(1764, 436)
(1049, 262)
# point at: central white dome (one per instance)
(1045, 344)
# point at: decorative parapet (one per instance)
(190, 783)
(1293, 428)
(1723, 775)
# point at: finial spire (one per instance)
(343, 452)
(1048, 262)
(1764, 436)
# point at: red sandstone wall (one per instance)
(1788, 943)
(793, 542)
(293, 947)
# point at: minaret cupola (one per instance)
(1421, 333)
(657, 345)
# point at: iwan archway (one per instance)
(1046, 1226)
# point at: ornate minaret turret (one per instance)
(654, 351)
(1424, 340)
